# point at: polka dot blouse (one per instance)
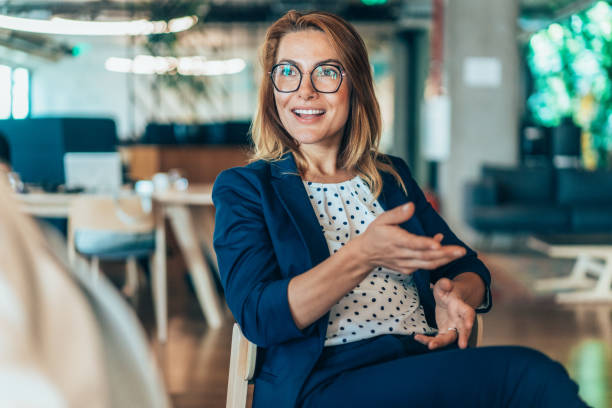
(385, 302)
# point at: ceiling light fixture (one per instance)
(62, 26)
(148, 64)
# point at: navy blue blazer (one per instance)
(266, 232)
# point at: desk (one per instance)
(49, 205)
(178, 207)
(593, 254)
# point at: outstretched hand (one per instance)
(454, 318)
(384, 243)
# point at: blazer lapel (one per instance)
(391, 196)
(290, 189)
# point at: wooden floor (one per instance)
(195, 359)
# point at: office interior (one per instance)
(501, 108)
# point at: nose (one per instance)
(306, 90)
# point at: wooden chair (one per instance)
(242, 363)
(106, 227)
(242, 367)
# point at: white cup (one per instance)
(161, 181)
(144, 189)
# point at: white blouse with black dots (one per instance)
(385, 302)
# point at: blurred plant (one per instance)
(190, 88)
(571, 63)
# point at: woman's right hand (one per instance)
(385, 243)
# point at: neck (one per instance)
(322, 166)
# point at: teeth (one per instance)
(309, 111)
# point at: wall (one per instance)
(81, 86)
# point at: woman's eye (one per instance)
(327, 72)
(288, 70)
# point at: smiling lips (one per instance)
(308, 113)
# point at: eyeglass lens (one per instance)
(325, 78)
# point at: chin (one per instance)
(308, 138)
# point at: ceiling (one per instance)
(259, 10)
(533, 15)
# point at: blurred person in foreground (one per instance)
(64, 342)
(328, 250)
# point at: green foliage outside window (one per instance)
(571, 63)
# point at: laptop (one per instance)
(94, 172)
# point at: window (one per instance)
(571, 65)
(5, 92)
(14, 92)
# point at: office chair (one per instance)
(111, 228)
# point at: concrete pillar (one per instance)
(484, 119)
(410, 65)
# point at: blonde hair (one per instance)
(359, 146)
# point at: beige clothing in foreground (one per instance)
(64, 343)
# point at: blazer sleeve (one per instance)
(433, 223)
(255, 290)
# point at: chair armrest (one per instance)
(242, 367)
(243, 353)
(249, 350)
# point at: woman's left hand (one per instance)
(454, 318)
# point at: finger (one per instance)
(406, 260)
(428, 253)
(423, 339)
(397, 215)
(443, 339)
(424, 255)
(464, 335)
(444, 284)
(465, 330)
(404, 239)
(455, 251)
(443, 252)
(438, 237)
(421, 264)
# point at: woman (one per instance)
(327, 250)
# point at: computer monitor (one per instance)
(38, 144)
(94, 172)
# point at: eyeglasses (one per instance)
(325, 78)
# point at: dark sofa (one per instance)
(539, 200)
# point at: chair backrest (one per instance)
(107, 213)
(244, 353)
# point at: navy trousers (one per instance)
(396, 371)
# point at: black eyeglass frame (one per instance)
(342, 75)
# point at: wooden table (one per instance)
(591, 276)
(179, 207)
(49, 205)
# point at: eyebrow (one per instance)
(318, 63)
